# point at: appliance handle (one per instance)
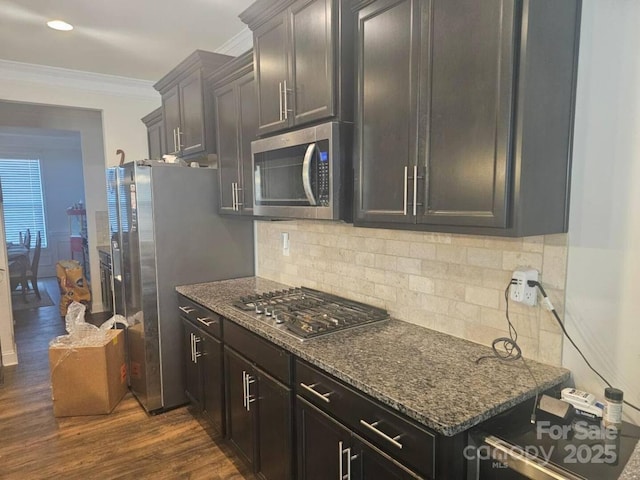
(306, 174)
(526, 464)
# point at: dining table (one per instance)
(18, 258)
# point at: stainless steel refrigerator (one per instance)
(169, 233)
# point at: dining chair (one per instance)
(32, 272)
(27, 239)
(18, 275)
(21, 273)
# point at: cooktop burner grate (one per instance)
(308, 313)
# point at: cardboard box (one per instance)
(88, 380)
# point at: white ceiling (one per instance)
(131, 38)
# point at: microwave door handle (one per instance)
(306, 174)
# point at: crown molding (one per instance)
(238, 44)
(76, 79)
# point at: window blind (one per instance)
(22, 199)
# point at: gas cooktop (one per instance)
(306, 313)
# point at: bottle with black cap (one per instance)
(612, 415)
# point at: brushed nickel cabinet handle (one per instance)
(196, 353)
(187, 310)
(244, 389)
(415, 190)
(322, 396)
(280, 100)
(285, 94)
(406, 193)
(372, 427)
(233, 196)
(206, 321)
(250, 398)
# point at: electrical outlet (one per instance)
(520, 291)
(285, 244)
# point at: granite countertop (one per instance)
(427, 375)
(632, 469)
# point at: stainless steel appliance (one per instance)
(169, 234)
(113, 195)
(510, 447)
(304, 174)
(106, 280)
(306, 313)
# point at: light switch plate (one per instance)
(285, 244)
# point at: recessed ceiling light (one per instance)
(60, 25)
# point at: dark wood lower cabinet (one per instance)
(192, 369)
(327, 449)
(212, 381)
(202, 355)
(258, 417)
(240, 418)
(320, 441)
(375, 465)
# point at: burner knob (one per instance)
(278, 316)
(268, 311)
(259, 307)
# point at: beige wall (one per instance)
(603, 310)
(451, 283)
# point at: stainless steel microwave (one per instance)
(304, 173)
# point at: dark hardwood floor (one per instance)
(126, 444)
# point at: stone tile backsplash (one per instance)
(447, 282)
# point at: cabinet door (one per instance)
(274, 427)
(248, 132)
(270, 49)
(212, 381)
(240, 418)
(312, 60)
(191, 342)
(226, 101)
(388, 34)
(471, 80)
(171, 118)
(321, 443)
(192, 135)
(372, 464)
(155, 141)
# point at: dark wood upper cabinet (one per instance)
(227, 131)
(471, 82)
(270, 46)
(312, 60)
(464, 114)
(388, 38)
(188, 107)
(303, 61)
(155, 134)
(236, 120)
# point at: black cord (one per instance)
(508, 346)
(533, 283)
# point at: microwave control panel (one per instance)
(323, 179)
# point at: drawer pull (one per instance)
(322, 396)
(372, 426)
(187, 310)
(206, 321)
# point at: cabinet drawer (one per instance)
(269, 357)
(204, 318)
(403, 440)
